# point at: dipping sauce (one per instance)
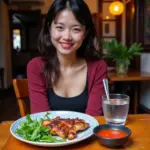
(109, 133)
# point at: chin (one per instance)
(66, 52)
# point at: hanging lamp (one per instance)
(116, 8)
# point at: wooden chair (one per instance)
(21, 92)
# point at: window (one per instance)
(17, 40)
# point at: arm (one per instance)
(94, 106)
(37, 87)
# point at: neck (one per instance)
(67, 61)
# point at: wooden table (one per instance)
(132, 76)
(139, 139)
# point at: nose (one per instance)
(67, 35)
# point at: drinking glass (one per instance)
(115, 108)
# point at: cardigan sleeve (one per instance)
(37, 87)
(94, 106)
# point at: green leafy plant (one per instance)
(119, 52)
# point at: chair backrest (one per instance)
(21, 92)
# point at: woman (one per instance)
(69, 74)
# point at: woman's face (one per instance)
(67, 34)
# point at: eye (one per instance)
(76, 30)
(59, 28)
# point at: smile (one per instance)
(66, 45)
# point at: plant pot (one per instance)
(121, 68)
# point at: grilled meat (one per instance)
(65, 128)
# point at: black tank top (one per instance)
(76, 103)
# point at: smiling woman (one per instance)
(69, 73)
(67, 34)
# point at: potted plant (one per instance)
(121, 54)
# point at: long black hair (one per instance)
(87, 50)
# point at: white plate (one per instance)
(63, 114)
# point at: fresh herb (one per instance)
(33, 130)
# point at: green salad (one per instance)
(33, 130)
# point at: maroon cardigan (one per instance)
(97, 71)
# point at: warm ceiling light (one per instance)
(116, 8)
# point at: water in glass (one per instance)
(115, 111)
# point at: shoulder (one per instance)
(35, 64)
(96, 65)
(36, 61)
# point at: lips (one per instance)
(66, 45)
